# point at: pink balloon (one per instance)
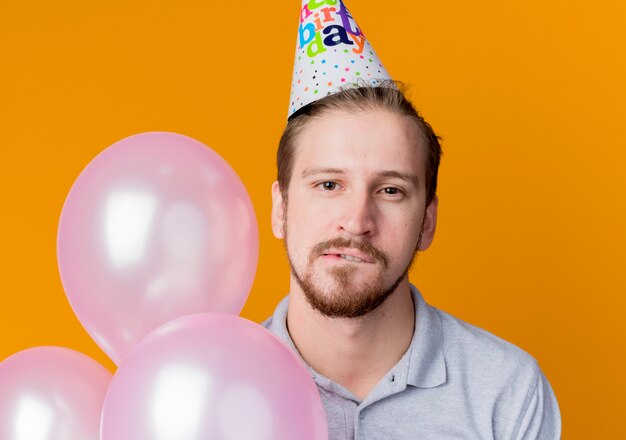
(51, 393)
(212, 376)
(156, 227)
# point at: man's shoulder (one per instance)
(505, 381)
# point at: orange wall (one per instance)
(528, 96)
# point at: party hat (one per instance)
(332, 53)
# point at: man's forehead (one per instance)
(374, 142)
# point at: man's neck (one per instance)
(353, 352)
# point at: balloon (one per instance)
(212, 376)
(157, 226)
(51, 393)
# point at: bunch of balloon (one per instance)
(157, 249)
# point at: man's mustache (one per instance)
(364, 247)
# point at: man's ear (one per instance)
(429, 225)
(278, 211)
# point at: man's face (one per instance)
(355, 211)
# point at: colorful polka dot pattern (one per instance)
(332, 53)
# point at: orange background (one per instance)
(528, 96)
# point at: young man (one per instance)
(354, 202)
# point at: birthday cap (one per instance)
(332, 53)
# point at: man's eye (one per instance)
(393, 192)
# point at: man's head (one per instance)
(355, 197)
(388, 96)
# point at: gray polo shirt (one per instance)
(455, 381)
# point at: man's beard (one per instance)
(342, 299)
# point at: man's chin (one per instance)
(344, 301)
(355, 308)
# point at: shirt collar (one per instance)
(277, 324)
(424, 361)
(427, 364)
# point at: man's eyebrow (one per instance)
(312, 171)
(404, 176)
(307, 172)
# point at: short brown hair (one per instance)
(388, 95)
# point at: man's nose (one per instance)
(358, 217)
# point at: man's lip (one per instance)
(351, 252)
